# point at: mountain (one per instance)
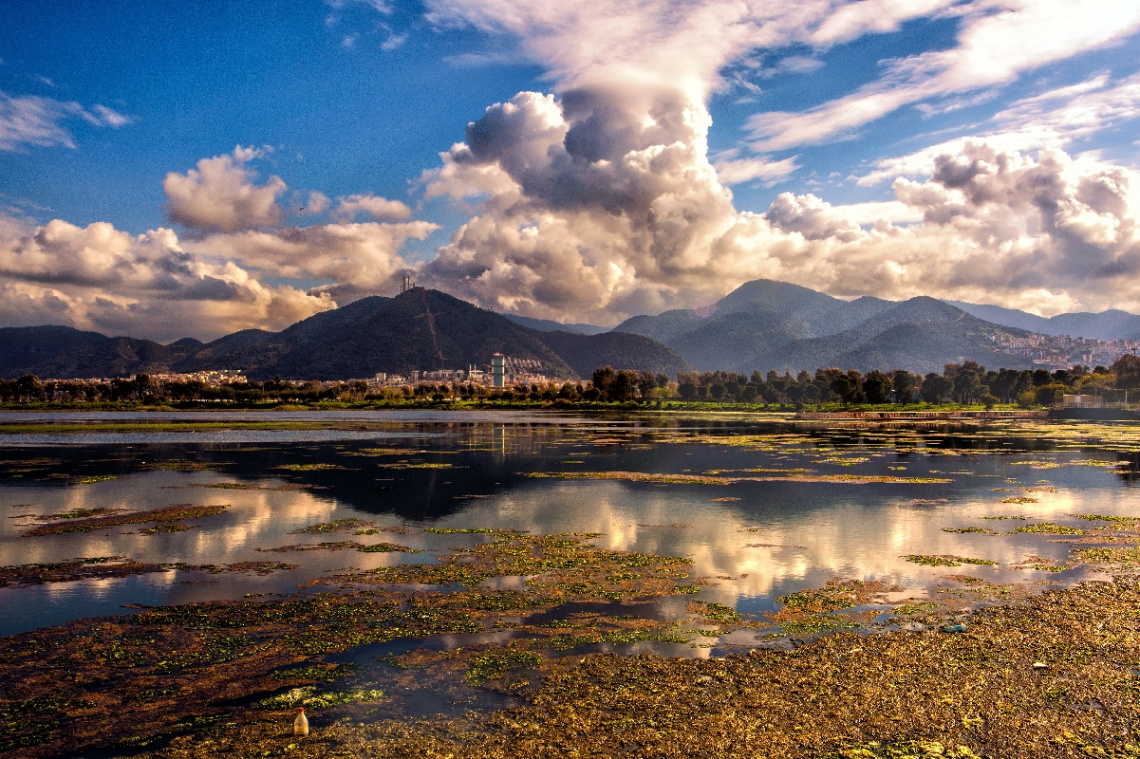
(53, 351)
(849, 314)
(921, 334)
(779, 297)
(585, 353)
(1106, 325)
(663, 327)
(416, 330)
(548, 325)
(730, 341)
(774, 325)
(23, 347)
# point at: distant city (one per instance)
(1063, 351)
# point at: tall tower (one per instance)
(498, 370)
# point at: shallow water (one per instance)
(755, 539)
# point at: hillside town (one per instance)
(1063, 351)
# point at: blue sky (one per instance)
(191, 169)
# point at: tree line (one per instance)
(965, 383)
(968, 383)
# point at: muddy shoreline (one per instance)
(1052, 674)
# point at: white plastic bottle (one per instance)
(301, 724)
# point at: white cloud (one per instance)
(393, 41)
(317, 202)
(101, 278)
(1049, 232)
(220, 195)
(997, 41)
(380, 6)
(1053, 119)
(109, 117)
(33, 120)
(378, 208)
(352, 258)
(583, 42)
(240, 268)
(732, 170)
(600, 202)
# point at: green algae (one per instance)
(1051, 528)
(494, 664)
(334, 526)
(309, 697)
(927, 560)
(165, 515)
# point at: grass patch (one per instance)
(945, 560)
(165, 515)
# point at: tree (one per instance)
(935, 387)
(967, 385)
(624, 386)
(603, 378)
(1127, 371)
(848, 387)
(876, 387)
(904, 386)
(28, 388)
(1047, 395)
(647, 382)
(687, 390)
(717, 391)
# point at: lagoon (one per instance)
(781, 508)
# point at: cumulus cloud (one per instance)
(599, 201)
(98, 277)
(354, 259)
(601, 198)
(380, 209)
(221, 194)
(1044, 232)
(240, 268)
(33, 120)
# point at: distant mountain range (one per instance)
(548, 325)
(775, 325)
(417, 330)
(1107, 325)
(761, 325)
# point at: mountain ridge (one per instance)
(754, 328)
(416, 330)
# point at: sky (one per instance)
(174, 170)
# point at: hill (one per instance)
(417, 330)
(585, 353)
(547, 325)
(774, 325)
(921, 334)
(1106, 325)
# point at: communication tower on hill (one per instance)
(408, 284)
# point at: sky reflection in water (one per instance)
(757, 540)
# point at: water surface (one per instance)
(789, 510)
